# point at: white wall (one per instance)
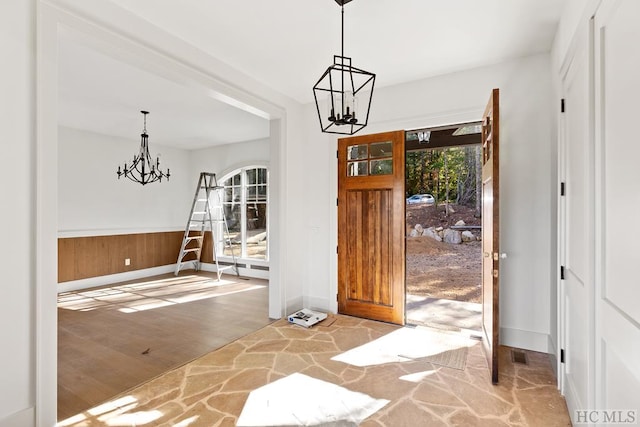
(93, 201)
(17, 185)
(223, 159)
(527, 164)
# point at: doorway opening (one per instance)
(443, 227)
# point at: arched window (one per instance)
(245, 204)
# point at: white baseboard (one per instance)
(245, 272)
(24, 418)
(553, 354)
(92, 282)
(527, 340)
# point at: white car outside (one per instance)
(421, 198)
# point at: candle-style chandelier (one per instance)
(141, 169)
(349, 90)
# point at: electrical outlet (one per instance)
(127, 261)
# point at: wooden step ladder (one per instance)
(202, 219)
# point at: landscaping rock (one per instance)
(452, 236)
(460, 223)
(419, 229)
(414, 233)
(430, 232)
(468, 236)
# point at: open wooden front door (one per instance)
(490, 232)
(371, 226)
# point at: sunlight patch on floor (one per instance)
(148, 295)
(403, 345)
(302, 400)
(118, 412)
(134, 419)
(418, 377)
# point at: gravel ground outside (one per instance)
(438, 269)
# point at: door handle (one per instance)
(487, 254)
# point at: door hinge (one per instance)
(337, 297)
(562, 188)
(337, 201)
(337, 156)
(562, 106)
(562, 355)
(336, 249)
(562, 272)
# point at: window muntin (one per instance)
(374, 158)
(245, 204)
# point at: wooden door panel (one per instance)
(369, 236)
(491, 232)
(371, 228)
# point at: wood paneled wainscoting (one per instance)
(94, 256)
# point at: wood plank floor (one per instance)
(113, 338)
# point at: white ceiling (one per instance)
(101, 94)
(287, 45)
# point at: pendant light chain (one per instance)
(342, 59)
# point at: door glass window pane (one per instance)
(357, 152)
(381, 167)
(357, 168)
(380, 149)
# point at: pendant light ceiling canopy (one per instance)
(348, 92)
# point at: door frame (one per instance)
(390, 306)
(425, 121)
(180, 66)
(584, 35)
(442, 147)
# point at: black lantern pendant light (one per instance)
(142, 170)
(349, 91)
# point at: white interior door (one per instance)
(617, 67)
(576, 302)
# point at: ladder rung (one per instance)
(193, 237)
(187, 262)
(224, 267)
(186, 251)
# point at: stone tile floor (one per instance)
(212, 390)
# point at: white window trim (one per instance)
(242, 258)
